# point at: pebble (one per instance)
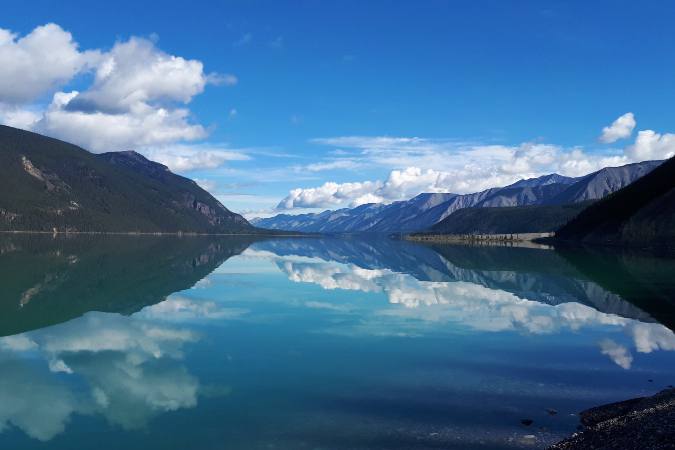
(528, 439)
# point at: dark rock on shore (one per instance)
(639, 423)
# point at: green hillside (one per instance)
(641, 214)
(47, 184)
(517, 219)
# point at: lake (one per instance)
(140, 342)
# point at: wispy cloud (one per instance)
(343, 163)
(186, 157)
(277, 43)
(245, 39)
(227, 79)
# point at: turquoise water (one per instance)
(174, 343)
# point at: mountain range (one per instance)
(47, 184)
(426, 210)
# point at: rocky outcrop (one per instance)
(639, 423)
(50, 180)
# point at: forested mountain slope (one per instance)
(47, 184)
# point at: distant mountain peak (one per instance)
(544, 180)
(427, 209)
(132, 157)
(598, 184)
(425, 195)
(133, 153)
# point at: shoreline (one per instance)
(643, 422)
(509, 239)
(146, 233)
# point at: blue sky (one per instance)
(348, 102)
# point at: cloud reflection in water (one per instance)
(131, 367)
(472, 305)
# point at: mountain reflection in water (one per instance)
(139, 331)
(47, 280)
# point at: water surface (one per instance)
(236, 343)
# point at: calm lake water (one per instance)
(176, 343)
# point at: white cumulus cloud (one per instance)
(328, 194)
(652, 145)
(43, 60)
(621, 128)
(141, 126)
(137, 99)
(19, 117)
(133, 101)
(137, 72)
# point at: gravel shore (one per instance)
(639, 423)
